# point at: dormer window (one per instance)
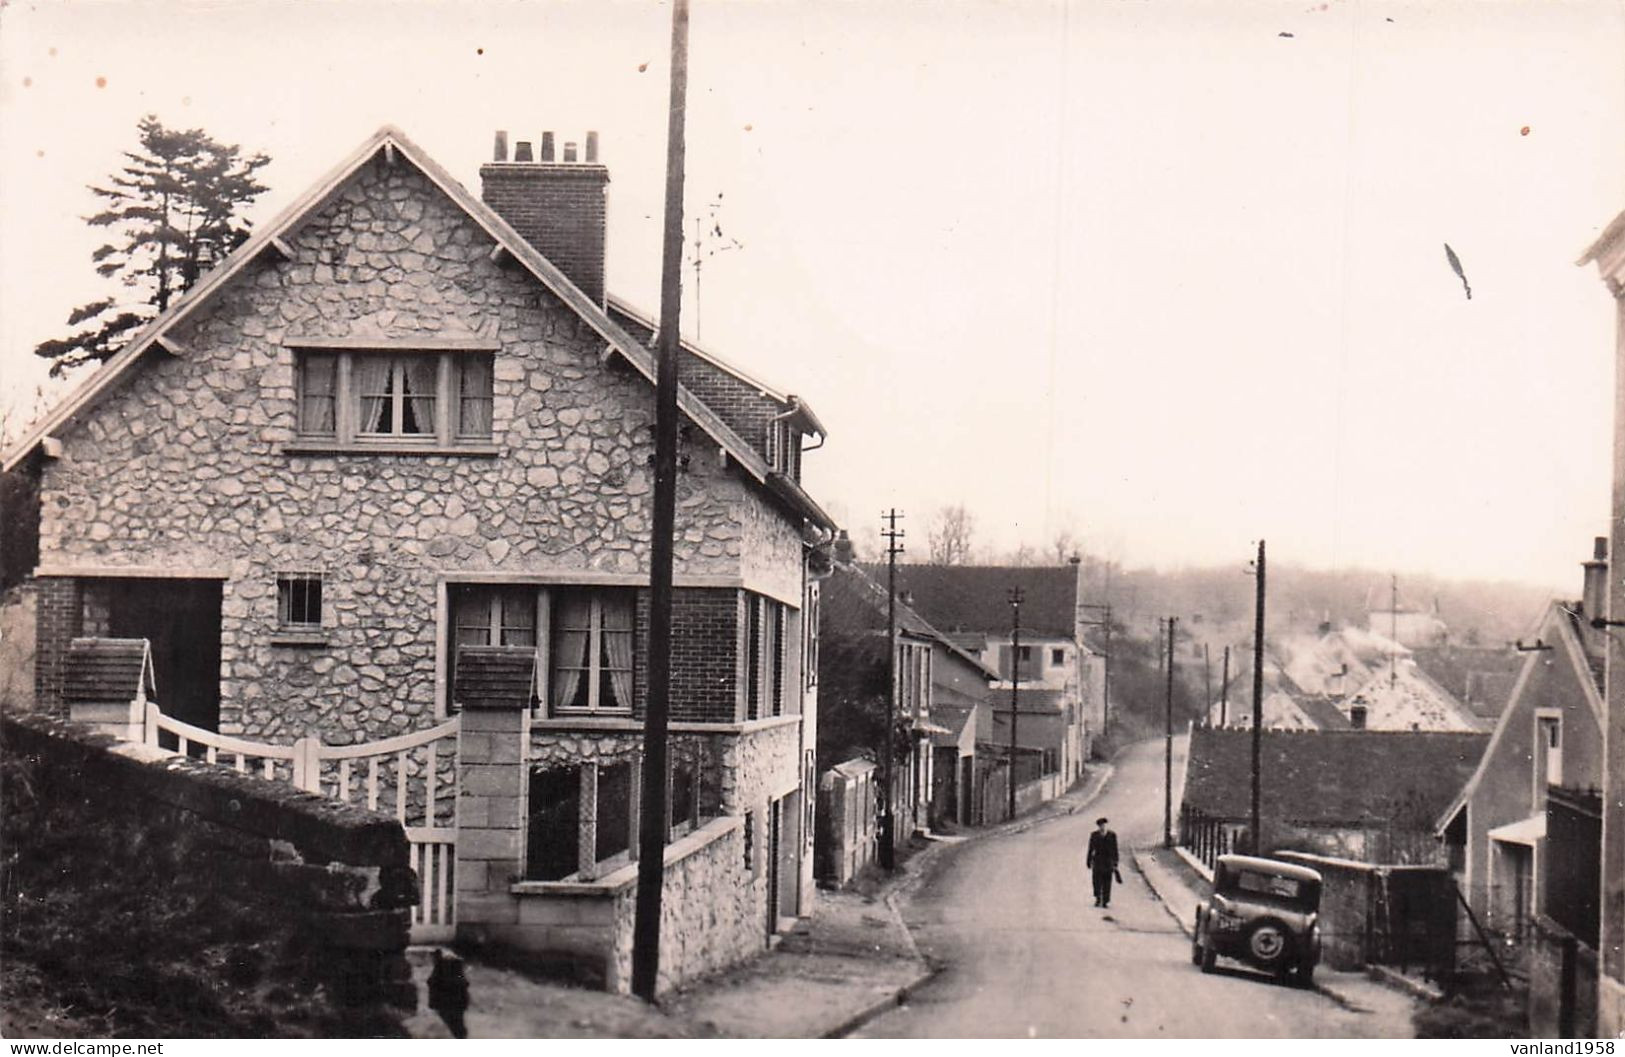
(784, 448)
(409, 399)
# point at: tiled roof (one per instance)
(959, 598)
(851, 600)
(109, 671)
(494, 675)
(1332, 777)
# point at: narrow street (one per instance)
(1027, 954)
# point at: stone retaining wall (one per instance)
(219, 903)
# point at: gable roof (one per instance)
(852, 601)
(961, 598)
(392, 142)
(1330, 777)
(1564, 623)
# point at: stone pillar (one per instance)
(493, 755)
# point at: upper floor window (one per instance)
(364, 397)
(1057, 657)
(784, 448)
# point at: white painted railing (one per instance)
(408, 775)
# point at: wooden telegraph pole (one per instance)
(888, 814)
(1258, 696)
(652, 810)
(1168, 747)
(1016, 597)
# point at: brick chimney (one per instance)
(1595, 599)
(843, 548)
(557, 205)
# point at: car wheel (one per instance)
(1269, 944)
(1210, 958)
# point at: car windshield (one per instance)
(1274, 887)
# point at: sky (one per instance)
(1168, 276)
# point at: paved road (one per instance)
(1027, 954)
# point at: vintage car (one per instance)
(1262, 912)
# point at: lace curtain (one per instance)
(371, 380)
(420, 386)
(574, 616)
(617, 650)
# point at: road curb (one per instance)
(884, 1005)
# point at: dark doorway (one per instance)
(181, 618)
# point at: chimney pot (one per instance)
(547, 146)
(499, 152)
(570, 151)
(843, 548)
(1594, 602)
(592, 147)
(521, 150)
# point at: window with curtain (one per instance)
(443, 399)
(591, 663)
(583, 638)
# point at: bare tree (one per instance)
(950, 535)
(1024, 554)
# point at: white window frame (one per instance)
(1548, 720)
(594, 670)
(447, 431)
(296, 576)
(544, 599)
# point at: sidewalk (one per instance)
(1180, 889)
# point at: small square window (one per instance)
(1057, 657)
(299, 600)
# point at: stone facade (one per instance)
(194, 468)
(190, 467)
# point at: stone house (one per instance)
(401, 440)
(1549, 736)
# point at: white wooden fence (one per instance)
(409, 775)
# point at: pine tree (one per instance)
(175, 207)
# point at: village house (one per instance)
(1060, 700)
(940, 692)
(386, 474)
(1548, 737)
(1608, 253)
(1347, 679)
(1364, 795)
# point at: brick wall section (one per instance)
(223, 902)
(57, 623)
(742, 406)
(559, 209)
(704, 655)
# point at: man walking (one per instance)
(1102, 862)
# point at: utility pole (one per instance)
(1258, 694)
(1106, 676)
(1224, 690)
(888, 816)
(1016, 598)
(652, 814)
(1393, 628)
(1207, 680)
(1168, 747)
